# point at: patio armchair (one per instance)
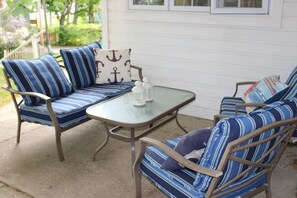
(48, 98)
(235, 105)
(239, 158)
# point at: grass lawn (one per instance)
(4, 95)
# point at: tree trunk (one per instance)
(75, 11)
(91, 13)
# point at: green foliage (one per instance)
(78, 35)
(5, 95)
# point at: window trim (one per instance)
(188, 8)
(228, 10)
(148, 7)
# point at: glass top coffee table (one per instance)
(121, 113)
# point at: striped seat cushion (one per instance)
(174, 184)
(80, 65)
(69, 109)
(233, 128)
(179, 183)
(109, 90)
(40, 75)
(228, 106)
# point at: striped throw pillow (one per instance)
(267, 90)
(80, 65)
(233, 128)
(40, 75)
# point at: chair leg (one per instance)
(59, 145)
(19, 131)
(268, 192)
(137, 180)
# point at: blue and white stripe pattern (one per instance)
(69, 109)
(186, 183)
(174, 184)
(80, 65)
(233, 128)
(40, 75)
(228, 106)
(292, 82)
(109, 90)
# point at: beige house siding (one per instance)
(202, 52)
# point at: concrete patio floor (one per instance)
(32, 168)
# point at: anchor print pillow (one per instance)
(112, 66)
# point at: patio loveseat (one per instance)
(48, 98)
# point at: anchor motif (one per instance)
(115, 76)
(114, 59)
(97, 68)
(127, 61)
(95, 51)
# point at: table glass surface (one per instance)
(120, 110)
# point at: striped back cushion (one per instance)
(40, 75)
(292, 82)
(233, 128)
(80, 65)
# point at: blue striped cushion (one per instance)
(174, 184)
(228, 106)
(41, 75)
(177, 183)
(80, 65)
(109, 90)
(232, 128)
(292, 82)
(69, 109)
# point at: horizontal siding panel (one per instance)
(265, 36)
(260, 21)
(290, 23)
(233, 47)
(290, 9)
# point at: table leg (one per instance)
(178, 124)
(132, 145)
(104, 143)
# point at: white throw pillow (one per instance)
(112, 66)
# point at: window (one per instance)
(240, 6)
(213, 6)
(149, 4)
(190, 5)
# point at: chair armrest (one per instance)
(242, 83)
(139, 71)
(237, 106)
(13, 91)
(179, 158)
(217, 118)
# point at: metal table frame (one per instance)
(150, 125)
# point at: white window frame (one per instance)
(148, 7)
(229, 10)
(188, 8)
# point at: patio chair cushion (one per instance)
(267, 90)
(175, 183)
(112, 66)
(40, 75)
(69, 109)
(193, 140)
(80, 65)
(228, 106)
(229, 129)
(109, 90)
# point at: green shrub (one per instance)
(77, 35)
